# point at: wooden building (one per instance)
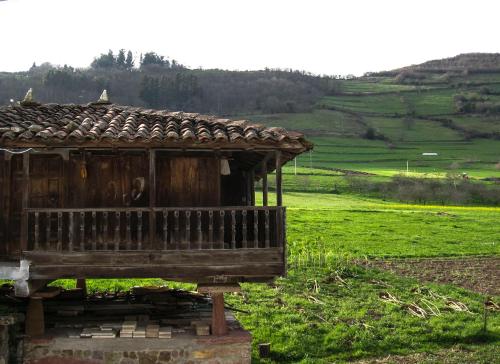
(101, 190)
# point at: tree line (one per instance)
(156, 81)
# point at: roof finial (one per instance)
(28, 99)
(103, 99)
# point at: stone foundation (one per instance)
(183, 348)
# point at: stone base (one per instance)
(235, 347)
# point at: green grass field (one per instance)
(329, 309)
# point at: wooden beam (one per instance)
(152, 197)
(279, 189)
(25, 202)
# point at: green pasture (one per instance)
(421, 102)
(479, 157)
(328, 309)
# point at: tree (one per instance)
(120, 58)
(104, 60)
(151, 58)
(129, 62)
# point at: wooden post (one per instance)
(264, 182)
(251, 181)
(279, 191)
(7, 196)
(25, 201)
(219, 325)
(35, 322)
(152, 198)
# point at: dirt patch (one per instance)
(454, 355)
(478, 274)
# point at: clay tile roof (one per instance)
(109, 124)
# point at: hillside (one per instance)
(478, 62)
(378, 123)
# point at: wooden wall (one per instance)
(187, 181)
(114, 179)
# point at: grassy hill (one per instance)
(379, 122)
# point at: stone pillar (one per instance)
(81, 283)
(219, 325)
(35, 322)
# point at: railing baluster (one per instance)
(37, 230)
(139, 230)
(82, 231)
(256, 228)
(233, 229)
(188, 229)
(244, 228)
(222, 213)
(176, 228)
(266, 213)
(165, 229)
(94, 231)
(211, 228)
(198, 228)
(128, 231)
(59, 231)
(47, 229)
(117, 230)
(105, 229)
(71, 229)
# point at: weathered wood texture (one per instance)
(102, 229)
(189, 265)
(97, 204)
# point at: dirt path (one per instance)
(479, 274)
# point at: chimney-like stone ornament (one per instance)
(28, 99)
(103, 99)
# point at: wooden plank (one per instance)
(199, 257)
(192, 273)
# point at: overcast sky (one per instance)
(323, 37)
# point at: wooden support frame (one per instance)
(279, 188)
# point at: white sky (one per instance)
(324, 37)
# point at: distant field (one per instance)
(358, 86)
(479, 158)
(424, 102)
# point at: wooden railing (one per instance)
(136, 229)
